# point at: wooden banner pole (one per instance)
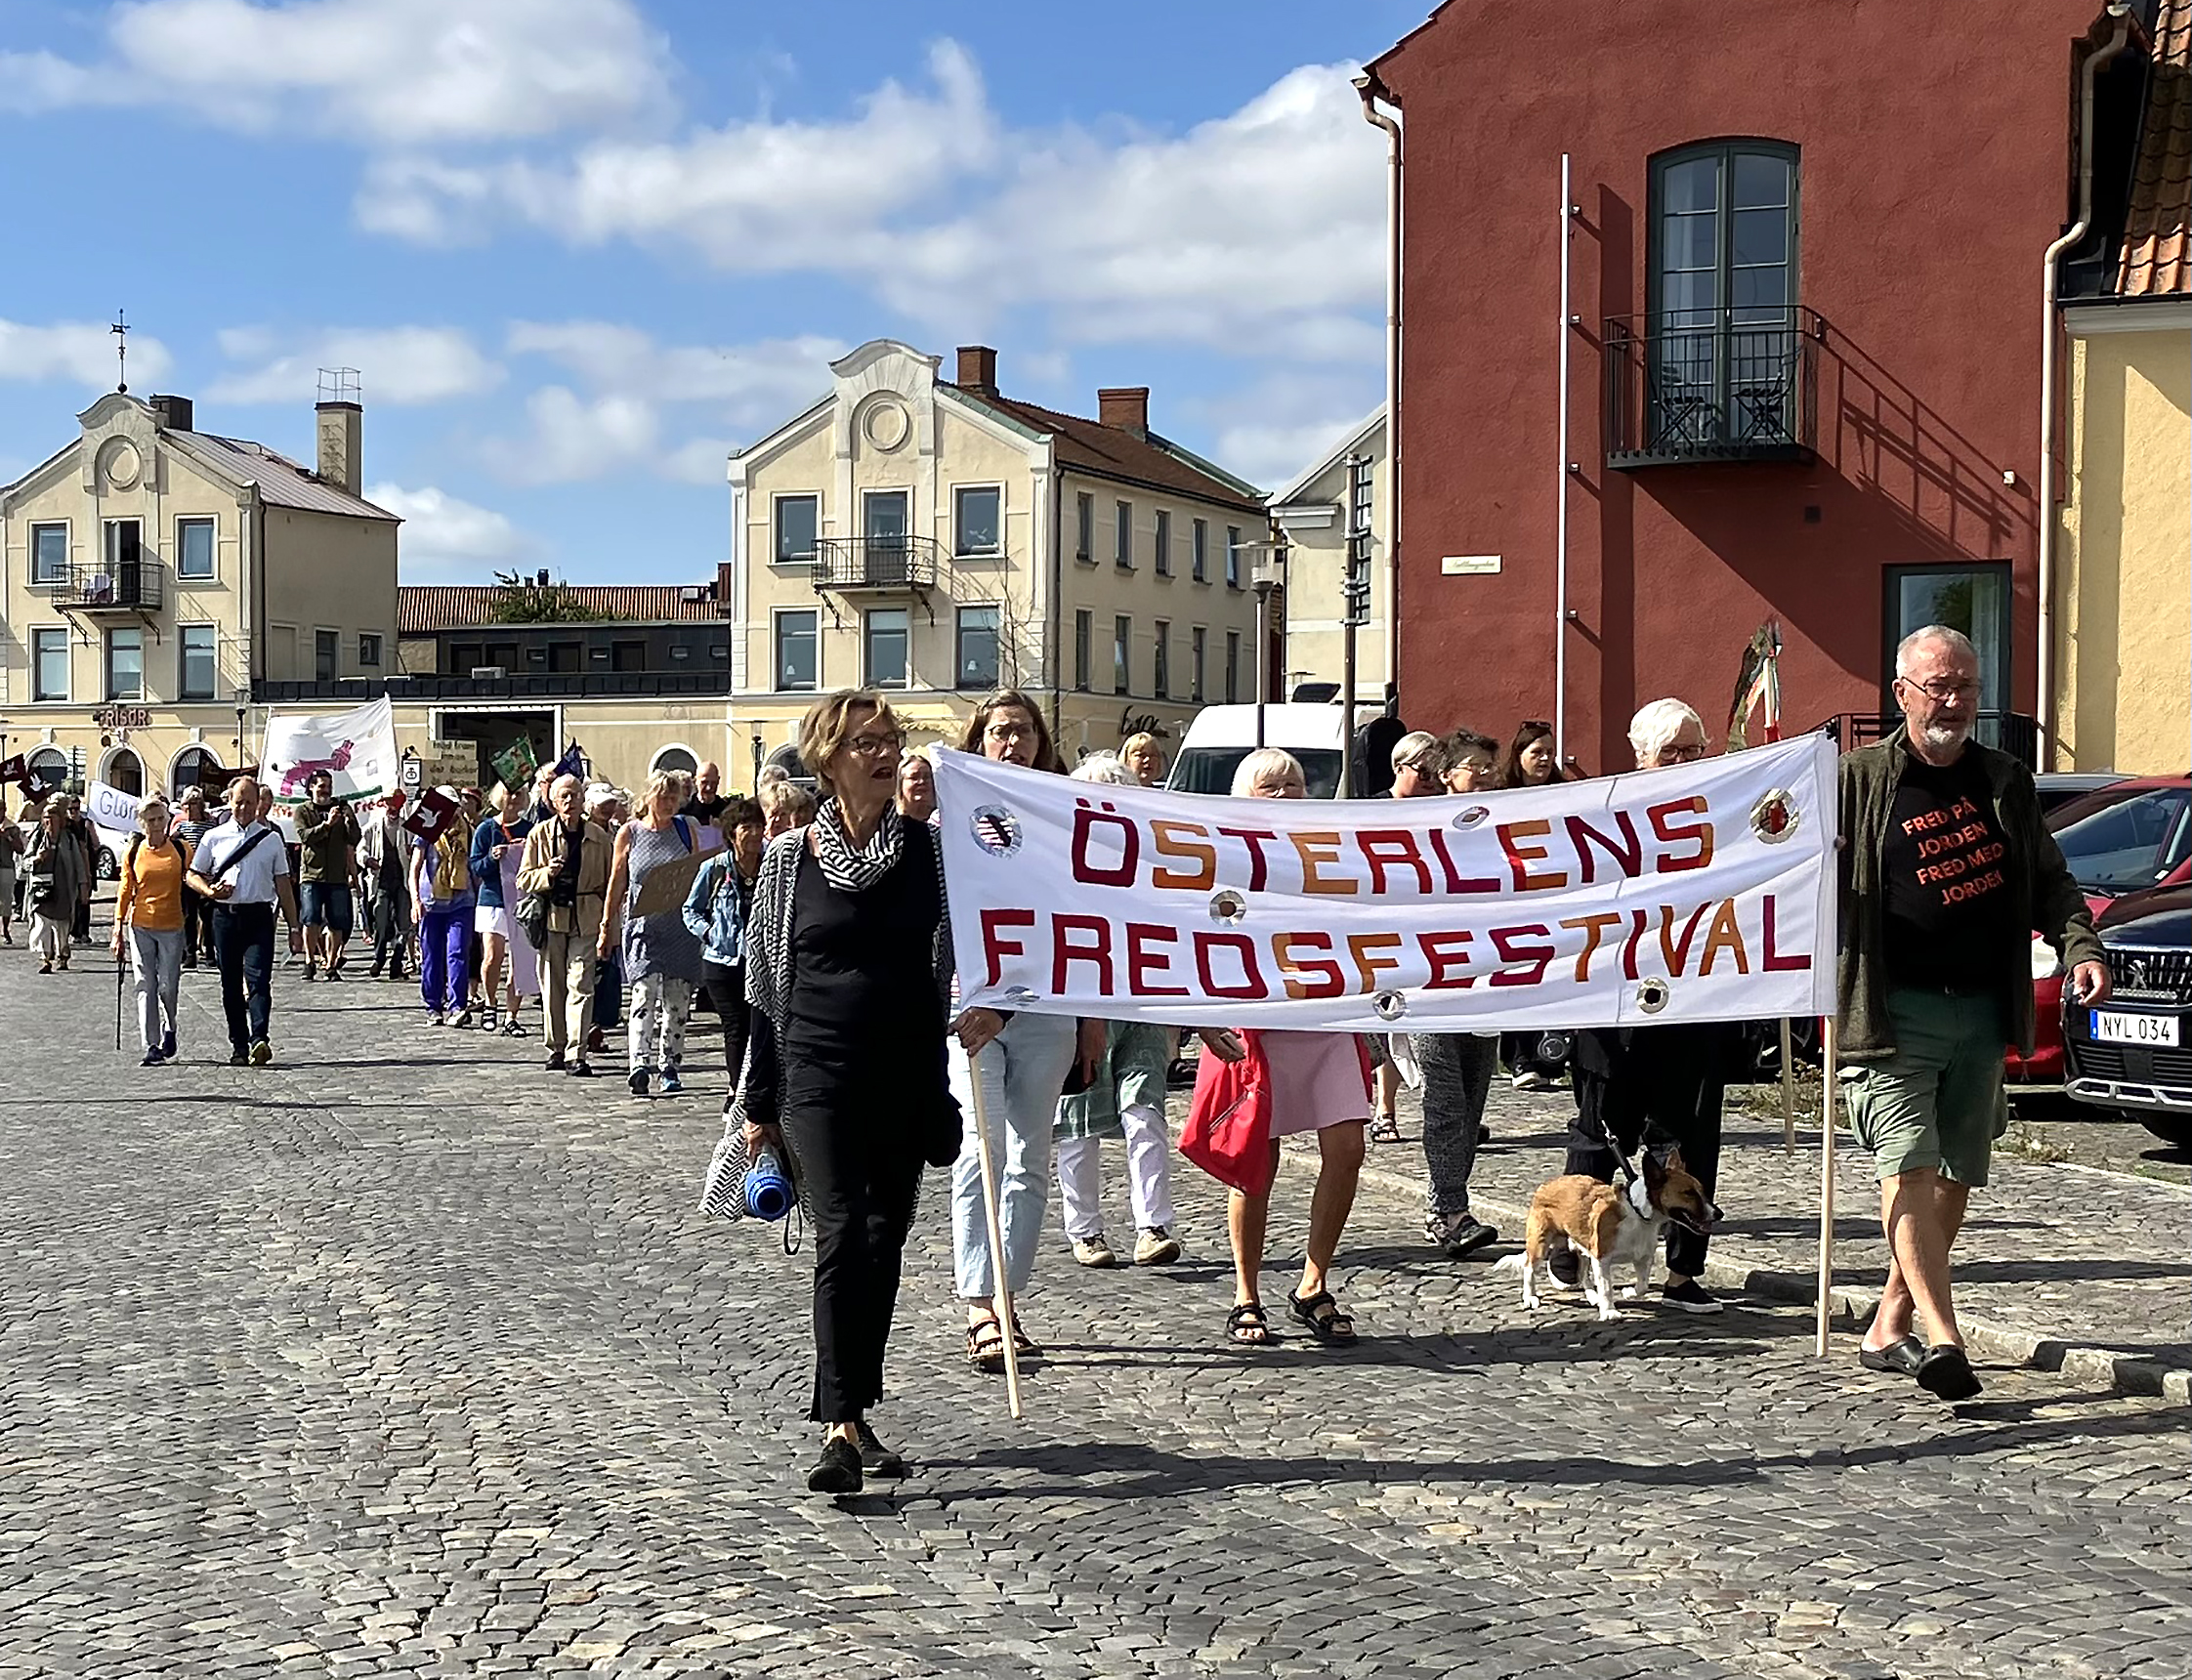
(1827, 1127)
(1001, 1302)
(1788, 1089)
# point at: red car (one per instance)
(2122, 838)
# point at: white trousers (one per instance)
(1148, 1175)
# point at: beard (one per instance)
(1942, 735)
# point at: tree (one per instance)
(539, 600)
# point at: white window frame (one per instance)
(776, 500)
(655, 763)
(1122, 653)
(68, 665)
(176, 758)
(380, 647)
(144, 771)
(1084, 527)
(106, 664)
(777, 616)
(212, 519)
(109, 559)
(181, 683)
(1200, 561)
(30, 552)
(1160, 542)
(959, 550)
(1199, 663)
(317, 631)
(960, 612)
(867, 677)
(1122, 535)
(1161, 673)
(1085, 650)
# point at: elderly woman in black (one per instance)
(849, 969)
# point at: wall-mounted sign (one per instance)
(1468, 565)
(122, 718)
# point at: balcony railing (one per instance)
(133, 587)
(876, 562)
(1711, 385)
(530, 686)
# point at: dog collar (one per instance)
(1640, 1197)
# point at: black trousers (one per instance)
(244, 940)
(727, 993)
(860, 1171)
(197, 927)
(1660, 1087)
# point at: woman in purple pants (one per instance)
(442, 903)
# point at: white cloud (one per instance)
(393, 72)
(1275, 428)
(444, 535)
(756, 380)
(570, 439)
(79, 353)
(403, 365)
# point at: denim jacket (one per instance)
(715, 910)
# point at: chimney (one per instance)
(978, 369)
(341, 420)
(173, 413)
(1126, 407)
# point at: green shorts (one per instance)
(1938, 1102)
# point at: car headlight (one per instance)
(2046, 964)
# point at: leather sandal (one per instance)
(986, 1346)
(1331, 1327)
(1245, 1326)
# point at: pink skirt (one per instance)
(1316, 1080)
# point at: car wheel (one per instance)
(108, 869)
(2170, 1128)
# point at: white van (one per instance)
(1221, 737)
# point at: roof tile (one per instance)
(1117, 453)
(2157, 260)
(421, 608)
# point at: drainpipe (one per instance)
(1371, 90)
(1560, 525)
(2044, 706)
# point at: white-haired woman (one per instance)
(916, 786)
(1312, 1082)
(149, 921)
(1415, 766)
(1124, 1098)
(663, 960)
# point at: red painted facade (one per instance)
(1934, 168)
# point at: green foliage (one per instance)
(539, 600)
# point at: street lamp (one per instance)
(243, 705)
(1263, 583)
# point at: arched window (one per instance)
(123, 771)
(1722, 295)
(786, 759)
(676, 760)
(194, 767)
(49, 767)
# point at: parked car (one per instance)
(1220, 736)
(2134, 1056)
(2057, 787)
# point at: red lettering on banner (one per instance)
(1677, 951)
(1627, 850)
(1521, 856)
(1594, 929)
(1535, 959)
(1363, 947)
(1188, 842)
(1453, 879)
(1636, 925)
(1672, 833)
(1141, 960)
(995, 946)
(1771, 961)
(1384, 848)
(1295, 969)
(1258, 871)
(1317, 848)
(1725, 935)
(1129, 840)
(1251, 984)
(1447, 964)
(1064, 953)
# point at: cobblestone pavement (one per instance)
(404, 1358)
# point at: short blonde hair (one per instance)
(788, 800)
(828, 722)
(674, 784)
(1265, 764)
(155, 803)
(1134, 743)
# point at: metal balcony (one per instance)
(130, 589)
(1711, 385)
(877, 564)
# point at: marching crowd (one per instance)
(819, 936)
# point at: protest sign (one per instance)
(666, 885)
(356, 748)
(1702, 892)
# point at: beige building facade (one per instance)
(935, 538)
(155, 581)
(1310, 519)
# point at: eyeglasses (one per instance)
(1003, 732)
(873, 747)
(1941, 693)
(1674, 752)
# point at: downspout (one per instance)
(1367, 86)
(1560, 527)
(1057, 657)
(2044, 701)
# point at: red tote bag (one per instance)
(1228, 1130)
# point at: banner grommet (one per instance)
(1228, 907)
(1652, 996)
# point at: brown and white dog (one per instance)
(1608, 1226)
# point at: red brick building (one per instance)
(1804, 349)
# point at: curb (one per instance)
(1850, 1309)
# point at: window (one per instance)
(623, 655)
(1199, 649)
(1233, 668)
(976, 656)
(194, 656)
(195, 767)
(1163, 543)
(978, 520)
(464, 656)
(1201, 539)
(326, 655)
(1163, 679)
(1085, 658)
(674, 761)
(125, 664)
(2128, 845)
(193, 550)
(566, 656)
(798, 519)
(49, 554)
(1232, 557)
(48, 656)
(1122, 654)
(1722, 289)
(1973, 598)
(369, 650)
(124, 548)
(883, 637)
(1122, 535)
(796, 650)
(50, 768)
(1084, 527)
(505, 654)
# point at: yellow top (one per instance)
(151, 895)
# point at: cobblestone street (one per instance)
(402, 1357)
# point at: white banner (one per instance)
(1703, 891)
(356, 748)
(110, 807)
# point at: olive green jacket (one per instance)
(2035, 872)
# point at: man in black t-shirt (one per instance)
(707, 801)
(1947, 869)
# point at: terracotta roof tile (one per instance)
(2157, 260)
(1115, 453)
(424, 607)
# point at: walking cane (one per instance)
(1003, 1301)
(1829, 1051)
(119, 959)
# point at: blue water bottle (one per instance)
(768, 1188)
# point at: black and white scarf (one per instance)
(854, 868)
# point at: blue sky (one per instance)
(579, 249)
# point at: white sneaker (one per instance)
(1156, 1246)
(1094, 1251)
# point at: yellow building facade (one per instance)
(2122, 583)
(1310, 518)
